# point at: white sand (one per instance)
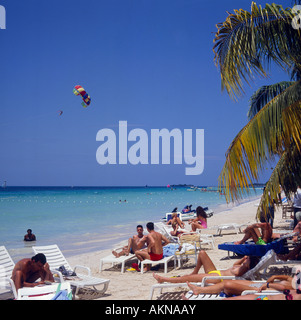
(136, 286)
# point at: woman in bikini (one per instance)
(238, 269)
(200, 222)
(176, 223)
(236, 287)
(290, 287)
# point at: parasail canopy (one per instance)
(79, 90)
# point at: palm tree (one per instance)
(244, 45)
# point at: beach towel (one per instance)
(170, 250)
(62, 294)
(187, 247)
(189, 243)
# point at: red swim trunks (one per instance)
(155, 257)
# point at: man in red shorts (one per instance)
(155, 241)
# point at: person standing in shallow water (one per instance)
(29, 236)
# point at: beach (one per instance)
(133, 285)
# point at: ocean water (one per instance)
(86, 219)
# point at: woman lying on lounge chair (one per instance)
(286, 285)
(238, 269)
(286, 295)
(236, 287)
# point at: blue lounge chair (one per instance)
(252, 249)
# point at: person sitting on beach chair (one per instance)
(200, 222)
(156, 241)
(27, 271)
(137, 242)
(252, 232)
(176, 223)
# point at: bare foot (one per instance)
(193, 288)
(158, 278)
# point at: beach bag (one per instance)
(65, 272)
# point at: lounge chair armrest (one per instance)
(203, 283)
(12, 285)
(83, 267)
(53, 271)
(175, 239)
(263, 292)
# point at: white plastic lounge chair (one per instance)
(270, 291)
(206, 238)
(56, 259)
(45, 292)
(263, 292)
(165, 231)
(7, 286)
(229, 226)
(114, 260)
(253, 274)
(191, 245)
(213, 296)
(154, 263)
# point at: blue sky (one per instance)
(149, 62)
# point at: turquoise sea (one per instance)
(81, 219)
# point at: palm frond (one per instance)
(265, 94)
(295, 73)
(245, 41)
(269, 133)
(287, 174)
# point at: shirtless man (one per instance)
(252, 232)
(27, 271)
(29, 236)
(155, 247)
(238, 269)
(137, 242)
